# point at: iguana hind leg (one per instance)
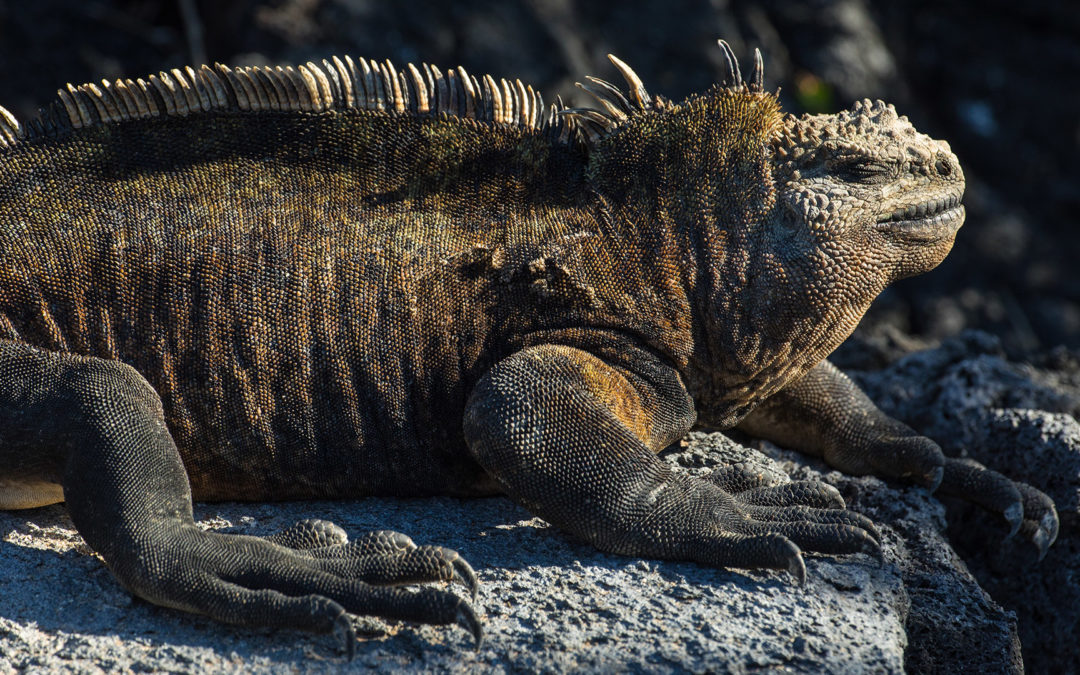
(98, 428)
(826, 414)
(574, 439)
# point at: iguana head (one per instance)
(859, 192)
(865, 180)
(789, 226)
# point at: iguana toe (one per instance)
(310, 533)
(382, 541)
(805, 493)
(744, 476)
(768, 550)
(805, 514)
(420, 564)
(837, 538)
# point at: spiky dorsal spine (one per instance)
(593, 124)
(10, 131)
(364, 84)
(335, 84)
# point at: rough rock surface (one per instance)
(549, 604)
(1021, 420)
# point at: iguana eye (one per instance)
(858, 170)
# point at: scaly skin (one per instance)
(272, 285)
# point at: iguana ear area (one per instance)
(592, 124)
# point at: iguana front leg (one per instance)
(826, 414)
(574, 438)
(98, 428)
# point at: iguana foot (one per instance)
(826, 414)
(308, 577)
(382, 557)
(757, 527)
(1027, 510)
(127, 491)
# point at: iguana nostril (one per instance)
(942, 166)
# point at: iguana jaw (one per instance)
(928, 221)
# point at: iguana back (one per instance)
(310, 292)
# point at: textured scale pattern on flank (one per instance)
(348, 279)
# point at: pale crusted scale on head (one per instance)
(868, 126)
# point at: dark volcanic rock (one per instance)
(1020, 420)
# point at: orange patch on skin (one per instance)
(615, 393)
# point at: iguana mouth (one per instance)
(931, 219)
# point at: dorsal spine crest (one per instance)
(344, 83)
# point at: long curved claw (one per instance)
(873, 548)
(345, 635)
(797, 567)
(1014, 516)
(1049, 524)
(1041, 518)
(871, 530)
(1043, 532)
(464, 574)
(933, 479)
(1042, 542)
(467, 619)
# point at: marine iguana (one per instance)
(343, 279)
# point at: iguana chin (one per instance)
(343, 280)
